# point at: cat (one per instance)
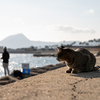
(79, 60)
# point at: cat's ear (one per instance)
(62, 47)
(59, 49)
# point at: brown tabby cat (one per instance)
(79, 60)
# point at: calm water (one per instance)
(16, 60)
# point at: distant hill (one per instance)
(15, 41)
(20, 41)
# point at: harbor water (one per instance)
(16, 60)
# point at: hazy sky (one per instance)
(50, 20)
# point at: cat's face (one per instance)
(64, 54)
(60, 54)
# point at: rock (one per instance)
(98, 54)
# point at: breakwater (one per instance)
(33, 71)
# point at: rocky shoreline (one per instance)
(44, 55)
(33, 71)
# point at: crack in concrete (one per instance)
(76, 82)
(84, 92)
(74, 88)
(74, 96)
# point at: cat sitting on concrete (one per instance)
(79, 60)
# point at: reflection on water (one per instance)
(16, 60)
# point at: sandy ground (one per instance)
(55, 85)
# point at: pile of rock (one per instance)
(44, 55)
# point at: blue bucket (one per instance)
(26, 71)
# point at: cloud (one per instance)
(19, 20)
(71, 29)
(90, 11)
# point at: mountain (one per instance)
(20, 41)
(15, 41)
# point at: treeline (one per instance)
(89, 41)
(53, 47)
(85, 43)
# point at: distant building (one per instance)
(1, 48)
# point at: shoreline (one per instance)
(33, 71)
